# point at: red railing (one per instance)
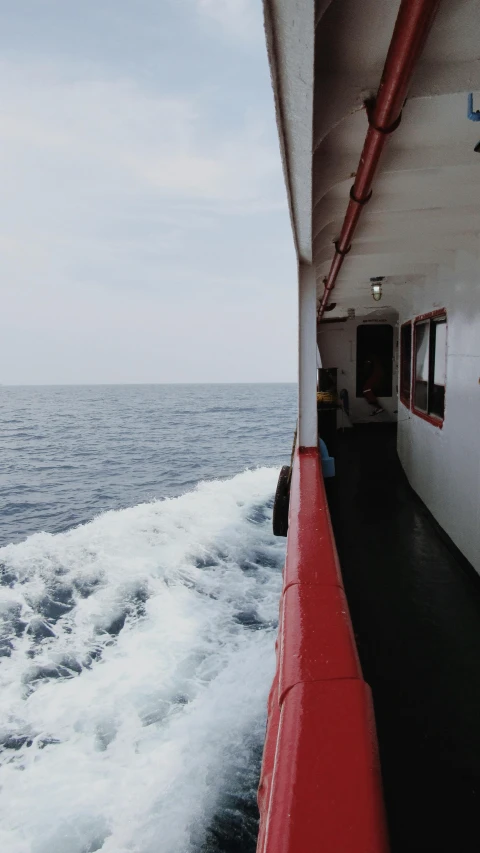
(320, 788)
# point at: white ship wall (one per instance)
(443, 465)
(338, 348)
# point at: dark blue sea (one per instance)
(139, 598)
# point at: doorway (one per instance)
(375, 354)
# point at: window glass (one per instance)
(406, 362)
(430, 366)
(438, 366)
(440, 353)
(422, 340)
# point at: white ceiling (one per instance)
(425, 201)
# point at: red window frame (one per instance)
(435, 420)
(407, 401)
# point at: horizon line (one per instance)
(123, 384)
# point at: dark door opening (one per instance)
(375, 357)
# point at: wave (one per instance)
(137, 653)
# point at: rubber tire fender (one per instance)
(281, 503)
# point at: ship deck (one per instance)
(415, 608)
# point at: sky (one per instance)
(144, 228)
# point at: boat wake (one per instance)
(136, 657)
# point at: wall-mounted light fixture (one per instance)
(376, 284)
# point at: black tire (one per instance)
(281, 503)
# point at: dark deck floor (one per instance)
(416, 616)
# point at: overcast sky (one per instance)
(144, 231)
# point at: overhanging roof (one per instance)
(425, 196)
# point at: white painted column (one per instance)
(307, 356)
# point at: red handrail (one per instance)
(320, 788)
(414, 19)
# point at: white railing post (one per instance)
(307, 356)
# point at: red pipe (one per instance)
(414, 20)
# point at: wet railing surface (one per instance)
(320, 786)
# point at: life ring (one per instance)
(281, 503)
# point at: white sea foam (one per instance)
(138, 653)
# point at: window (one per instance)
(406, 363)
(439, 365)
(422, 346)
(430, 345)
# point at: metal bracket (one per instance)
(473, 115)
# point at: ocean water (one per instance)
(138, 608)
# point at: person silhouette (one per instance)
(373, 372)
